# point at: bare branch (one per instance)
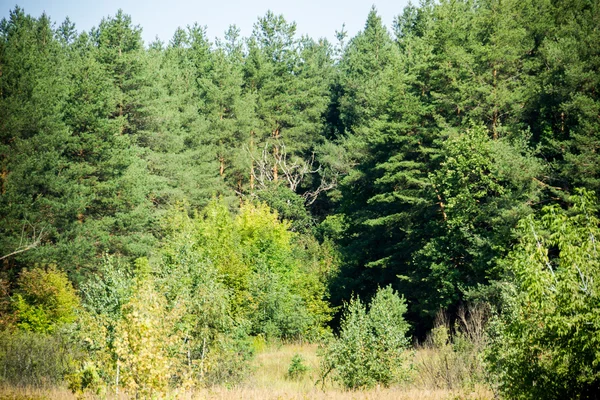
(294, 170)
(36, 240)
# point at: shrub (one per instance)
(228, 361)
(370, 347)
(36, 359)
(44, 299)
(297, 367)
(145, 339)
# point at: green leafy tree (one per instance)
(104, 296)
(195, 278)
(544, 344)
(480, 198)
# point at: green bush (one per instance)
(229, 359)
(371, 345)
(44, 300)
(545, 343)
(297, 367)
(36, 359)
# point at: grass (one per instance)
(269, 380)
(28, 393)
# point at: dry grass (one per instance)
(271, 366)
(269, 381)
(450, 358)
(27, 393)
(333, 394)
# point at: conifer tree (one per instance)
(36, 200)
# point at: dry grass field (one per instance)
(269, 380)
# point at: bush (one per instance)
(147, 339)
(545, 343)
(44, 300)
(228, 361)
(36, 359)
(297, 368)
(370, 347)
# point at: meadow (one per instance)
(269, 380)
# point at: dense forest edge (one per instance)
(419, 201)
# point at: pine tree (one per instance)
(291, 98)
(386, 195)
(36, 200)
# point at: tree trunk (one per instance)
(276, 155)
(251, 161)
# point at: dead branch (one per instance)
(294, 170)
(34, 241)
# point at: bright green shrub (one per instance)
(267, 273)
(371, 345)
(44, 300)
(546, 343)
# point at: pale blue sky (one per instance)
(317, 18)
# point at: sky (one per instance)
(316, 18)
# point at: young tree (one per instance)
(145, 338)
(371, 345)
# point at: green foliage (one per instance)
(480, 198)
(229, 361)
(253, 261)
(105, 292)
(44, 300)
(544, 344)
(37, 359)
(289, 206)
(430, 145)
(145, 338)
(371, 345)
(231, 276)
(297, 367)
(85, 379)
(132, 338)
(211, 322)
(104, 296)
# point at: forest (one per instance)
(417, 205)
